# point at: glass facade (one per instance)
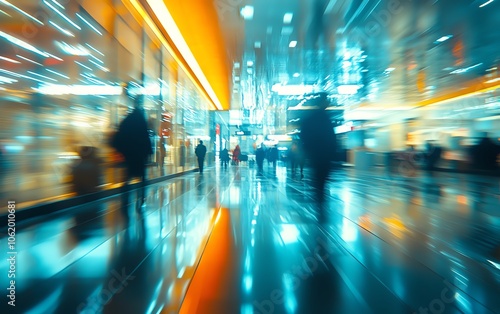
(66, 68)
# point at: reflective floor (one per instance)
(233, 241)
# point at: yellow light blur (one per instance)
(213, 101)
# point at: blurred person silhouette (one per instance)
(236, 154)
(432, 155)
(485, 154)
(318, 141)
(133, 142)
(272, 155)
(260, 154)
(87, 172)
(224, 158)
(296, 158)
(200, 152)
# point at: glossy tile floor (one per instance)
(235, 242)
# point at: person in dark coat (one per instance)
(260, 154)
(485, 154)
(319, 141)
(133, 142)
(224, 158)
(200, 151)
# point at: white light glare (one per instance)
(57, 73)
(444, 38)
(288, 90)
(88, 23)
(62, 15)
(293, 44)
(22, 44)
(42, 76)
(21, 11)
(62, 30)
(249, 63)
(389, 70)
(54, 89)
(83, 65)
(348, 89)
(296, 74)
(102, 54)
(9, 59)
(287, 18)
(29, 60)
(247, 12)
(486, 3)
(7, 80)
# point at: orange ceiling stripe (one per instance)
(198, 22)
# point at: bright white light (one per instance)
(88, 23)
(9, 59)
(58, 4)
(20, 75)
(289, 233)
(102, 54)
(3, 12)
(247, 12)
(78, 50)
(249, 63)
(53, 89)
(21, 11)
(99, 60)
(493, 80)
(444, 38)
(55, 57)
(460, 71)
(57, 73)
(287, 18)
(83, 65)
(347, 127)
(389, 70)
(236, 65)
(62, 15)
(293, 44)
(22, 44)
(348, 89)
(99, 66)
(7, 80)
(62, 30)
(296, 74)
(486, 3)
(42, 76)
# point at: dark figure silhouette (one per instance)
(485, 154)
(260, 154)
(200, 151)
(236, 155)
(133, 142)
(432, 155)
(224, 158)
(272, 155)
(319, 142)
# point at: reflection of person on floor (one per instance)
(200, 151)
(273, 155)
(318, 140)
(224, 158)
(133, 142)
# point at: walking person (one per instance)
(319, 143)
(200, 151)
(224, 158)
(133, 142)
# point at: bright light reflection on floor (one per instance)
(289, 233)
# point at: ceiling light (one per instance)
(486, 3)
(296, 74)
(443, 39)
(293, 44)
(236, 65)
(249, 63)
(287, 18)
(292, 89)
(493, 80)
(22, 44)
(389, 70)
(247, 12)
